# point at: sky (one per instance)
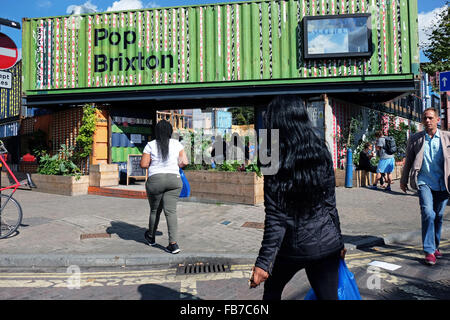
(17, 9)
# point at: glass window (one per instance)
(337, 36)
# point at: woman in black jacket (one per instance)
(302, 227)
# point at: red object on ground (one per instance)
(28, 158)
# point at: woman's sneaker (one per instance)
(150, 240)
(438, 254)
(430, 259)
(173, 248)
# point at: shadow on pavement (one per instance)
(416, 289)
(157, 292)
(128, 231)
(397, 251)
(409, 193)
(363, 241)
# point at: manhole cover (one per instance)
(94, 235)
(202, 267)
(256, 225)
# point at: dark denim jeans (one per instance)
(432, 207)
(323, 275)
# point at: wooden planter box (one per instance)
(397, 174)
(340, 177)
(64, 185)
(102, 175)
(363, 178)
(220, 186)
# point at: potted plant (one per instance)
(58, 174)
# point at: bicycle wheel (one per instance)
(10, 216)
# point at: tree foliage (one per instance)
(242, 115)
(438, 52)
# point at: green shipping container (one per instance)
(222, 45)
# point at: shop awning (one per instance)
(377, 91)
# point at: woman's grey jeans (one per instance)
(163, 190)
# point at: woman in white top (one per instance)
(163, 157)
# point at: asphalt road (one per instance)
(413, 280)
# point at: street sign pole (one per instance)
(444, 87)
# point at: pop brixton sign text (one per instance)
(103, 63)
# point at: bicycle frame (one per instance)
(14, 187)
(16, 184)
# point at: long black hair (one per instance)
(163, 133)
(305, 163)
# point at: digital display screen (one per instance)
(337, 36)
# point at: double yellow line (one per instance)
(171, 271)
(160, 272)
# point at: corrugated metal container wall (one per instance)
(11, 99)
(9, 130)
(213, 44)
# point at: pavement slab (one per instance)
(90, 229)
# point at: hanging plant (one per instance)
(85, 136)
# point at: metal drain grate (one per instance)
(200, 267)
(256, 225)
(94, 235)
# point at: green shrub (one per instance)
(85, 137)
(253, 167)
(60, 164)
(227, 166)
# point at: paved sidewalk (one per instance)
(93, 230)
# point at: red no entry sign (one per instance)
(8, 52)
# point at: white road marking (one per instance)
(59, 280)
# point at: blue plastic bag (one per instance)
(186, 190)
(347, 287)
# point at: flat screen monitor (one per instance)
(337, 36)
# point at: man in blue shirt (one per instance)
(427, 167)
